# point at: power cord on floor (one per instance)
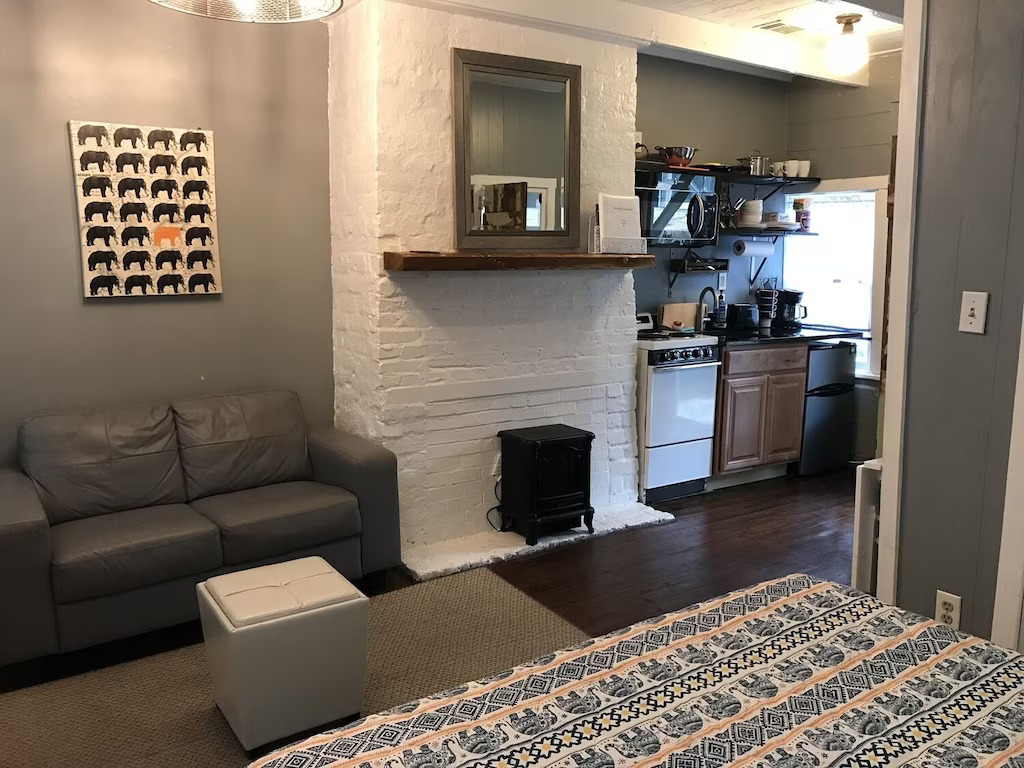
(504, 526)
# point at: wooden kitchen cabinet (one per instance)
(761, 407)
(743, 412)
(784, 417)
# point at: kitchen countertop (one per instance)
(803, 336)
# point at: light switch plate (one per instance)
(973, 309)
(723, 279)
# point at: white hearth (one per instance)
(428, 561)
(435, 364)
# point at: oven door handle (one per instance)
(684, 366)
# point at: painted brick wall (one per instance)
(355, 262)
(461, 356)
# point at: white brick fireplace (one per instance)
(434, 364)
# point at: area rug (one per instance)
(158, 712)
(453, 555)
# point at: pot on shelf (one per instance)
(758, 164)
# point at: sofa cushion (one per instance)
(98, 462)
(233, 442)
(277, 519)
(122, 551)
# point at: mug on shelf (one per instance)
(805, 169)
(779, 169)
(792, 168)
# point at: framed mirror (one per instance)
(517, 153)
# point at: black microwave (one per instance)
(677, 207)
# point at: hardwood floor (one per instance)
(719, 542)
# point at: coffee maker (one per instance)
(791, 312)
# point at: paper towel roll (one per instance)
(756, 249)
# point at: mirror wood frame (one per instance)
(466, 63)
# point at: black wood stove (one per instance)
(545, 480)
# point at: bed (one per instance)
(792, 673)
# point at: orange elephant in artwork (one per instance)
(171, 234)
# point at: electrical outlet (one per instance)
(496, 469)
(723, 280)
(973, 308)
(947, 608)
(639, 137)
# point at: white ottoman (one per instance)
(287, 647)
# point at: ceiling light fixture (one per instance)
(258, 11)
(848, 52)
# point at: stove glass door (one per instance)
(682, 404)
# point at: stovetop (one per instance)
(664, 333)
(677, 342)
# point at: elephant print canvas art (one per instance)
(147, 210)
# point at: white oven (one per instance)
(677, 388)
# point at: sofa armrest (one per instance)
(26, 598)
(370, 471)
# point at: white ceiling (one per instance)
(814, 18)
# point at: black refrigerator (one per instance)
(829, 410)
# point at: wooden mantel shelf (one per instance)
(435, 261)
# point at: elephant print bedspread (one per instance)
(147, 210)
(793, 673)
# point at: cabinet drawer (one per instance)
(741, 362)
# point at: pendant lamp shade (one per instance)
(258, 11)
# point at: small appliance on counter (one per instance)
(677, 387)
(791, 312)
(742, 318)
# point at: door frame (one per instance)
(915, 16)
(1007, 629)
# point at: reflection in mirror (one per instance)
(517, 153)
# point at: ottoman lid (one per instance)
(283, 589)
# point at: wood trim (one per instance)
(464, 63)
(437, 261)
(900, 287)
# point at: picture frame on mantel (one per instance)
(508, 187)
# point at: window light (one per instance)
(848, 52)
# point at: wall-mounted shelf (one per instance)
(438, 261)
(726, 175)
(772, 233)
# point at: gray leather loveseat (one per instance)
(116, 515)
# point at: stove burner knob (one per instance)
(687, 354)
(662, 357)
(675, 354)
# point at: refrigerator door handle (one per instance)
(831, 390)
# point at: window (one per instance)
(837, 269)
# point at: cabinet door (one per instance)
(743, 409)
(784, 417)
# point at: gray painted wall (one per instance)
(263, 90)
(724, 114)
(961, 387)
(846, 132)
